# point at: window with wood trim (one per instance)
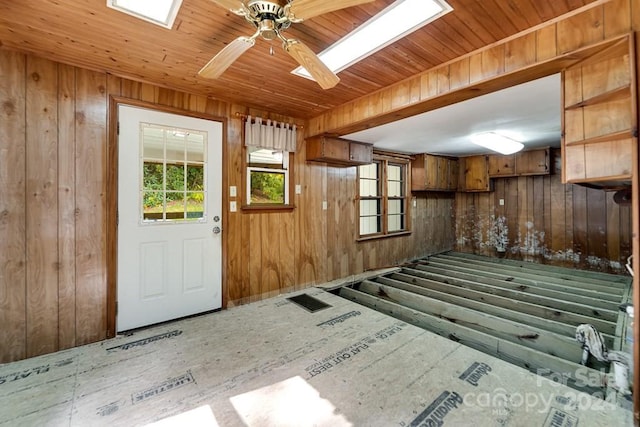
(382, 198)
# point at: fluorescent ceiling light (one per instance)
(160, 12)
(496, 142)
(393, 23)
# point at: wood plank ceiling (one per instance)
(86, 33)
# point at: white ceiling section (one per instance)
(529, 113)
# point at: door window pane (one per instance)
(173, 170)
(195, 177)
(175, 177)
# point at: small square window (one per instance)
(159, 12)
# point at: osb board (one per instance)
(345, 365)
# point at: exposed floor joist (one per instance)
(524, 313)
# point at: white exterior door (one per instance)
(169, 216)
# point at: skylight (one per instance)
(396, 21)
(160, 12)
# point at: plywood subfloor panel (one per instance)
(346, 365)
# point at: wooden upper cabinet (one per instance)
(531, 162)
(338, 152)
(474, 173)
(501, 165)
(361, 154)
(599, 117)
(434, 173)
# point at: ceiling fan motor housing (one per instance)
(268, 16)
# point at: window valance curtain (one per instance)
(269, 134)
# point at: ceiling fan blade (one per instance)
(226, 57)
(305, 9)
(232, 5)
(310, 61)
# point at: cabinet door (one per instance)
(431, 172)
(474, 173)
(360, 153)
(335, 149)
(535, 162)
(599, 122)
(500, 165)
(452, 183)
(442, 164)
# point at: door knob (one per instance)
(217, 230)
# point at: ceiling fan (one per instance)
(271, 18)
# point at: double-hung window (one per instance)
(382, 198)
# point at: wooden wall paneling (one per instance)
(548, 221)
(459, 73)
(613, 246)
(499, 194)
(149, 93)
(458, 214)
(286, 226)
(537, 217)
(485, 220)
(597, 228)
(91, 111)
(493, 60)
(429, 84)
(617, 17)
(42, 206)
(546, 43)
(255, 256)
(558, 244)
(270, 237)
(234, 235)
(625, 228)
(580, 225)
(131, 89)
(580, 30)
(12, 207)
(351, 253)
(635, 17)
(406, 93)
(475, 68)
(472, 219)
(66, 207)
(443, 75)
(386, 101)
(520, 52)
(571, 256)
(523, 229)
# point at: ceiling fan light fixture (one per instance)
(496, 142)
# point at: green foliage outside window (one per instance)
(153, 185)
(267, 187)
